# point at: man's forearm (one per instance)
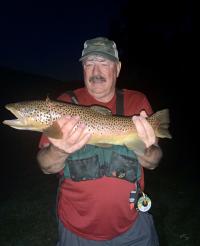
(51, 159)
(151, 158)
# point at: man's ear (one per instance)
(118, 68)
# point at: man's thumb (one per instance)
(143, 114)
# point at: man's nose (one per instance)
(96, 70)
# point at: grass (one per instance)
(175, 206)
(28, 217)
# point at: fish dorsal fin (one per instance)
(101, 110)
(48, 98)
(54, 131)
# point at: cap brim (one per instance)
(99, 53)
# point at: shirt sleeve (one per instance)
(146, 106)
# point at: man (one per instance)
(96, 210)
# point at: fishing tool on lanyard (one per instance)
(139, 199)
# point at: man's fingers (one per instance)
(144, 130)
(149, 129)
(61, 122)
(76, 134)
(69, 125)
(151, 137)
(139, 127)
(83, 141)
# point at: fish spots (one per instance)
(46, 112)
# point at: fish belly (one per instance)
(113, 139)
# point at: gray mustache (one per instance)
(97, 78)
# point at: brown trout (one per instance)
(105, 128)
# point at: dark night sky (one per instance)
(47, 37)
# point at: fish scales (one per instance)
(41, 115)
(95, 121)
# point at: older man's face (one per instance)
(100, 75)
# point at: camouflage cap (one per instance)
(100, 46)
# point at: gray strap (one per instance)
(119, 102)
(73, 97)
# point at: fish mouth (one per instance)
(18, 123)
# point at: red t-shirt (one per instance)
(99, 209)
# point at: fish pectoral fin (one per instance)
(138, 146)
(54, 131)
(101, 110)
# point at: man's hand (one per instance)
(153, 153)
(75, 135)
(144, 129)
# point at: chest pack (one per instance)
(92, 162)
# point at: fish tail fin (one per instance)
(163, 118)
